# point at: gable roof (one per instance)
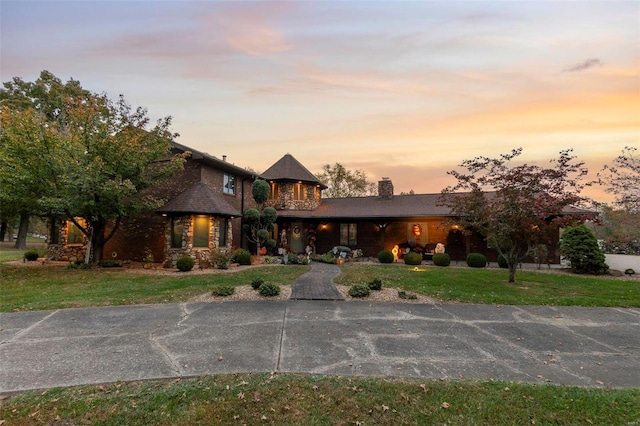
(289, 169)
(210, 160)
(199, 199)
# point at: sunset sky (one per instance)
(401, 89)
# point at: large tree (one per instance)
(104, 155)
(32, 114)
(344, 183)
(622, 179)
(515, 207)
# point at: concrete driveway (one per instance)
(559, 345)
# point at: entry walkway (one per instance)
(317, 284)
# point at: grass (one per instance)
(289, 399)
(55, 287)
(473, 285)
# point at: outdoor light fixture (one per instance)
(417, 230)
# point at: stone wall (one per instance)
(201, 255)
(285, 200)
(64, 252)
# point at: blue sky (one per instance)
(403, 89)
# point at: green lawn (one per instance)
(472, 285)
(289, 399)
(54, 287)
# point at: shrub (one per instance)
(579, 245)
(269, 290)
(80, 265)
(110, 264)
(385, 256)
(222, 257)
(223, 290)
(359, 290)
(31, 255)
(502, 262)
(242, 256)
(412, 258)
(256, 283)
(338, 250)
(476, 260)
(375, 284)
(404, 295)
(629, 271)
(441, 259)
(185, 264)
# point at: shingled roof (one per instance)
(199, 199)
(289, 169)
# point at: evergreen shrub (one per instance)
(256, 283)
(385, 256)
(412, 258)
(242, 257)
(31, 255)
(223, 290)
(476, 260)
(502, 262)
(185, 264)
(269, 290)
(580, 246)
(359, 290)
(441, 259)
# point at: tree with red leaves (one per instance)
(516, 207)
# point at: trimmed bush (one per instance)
(359, 290)
(256, 283)
(242, 256)
(404, 295)
(223, 290)
(502, 262)
(269, 290)
(375, 284)
(185, 264)
(476, 260)
(629, 271)
(31, 255)
(412, 258)
(580, 246)
(385, 256)
(441, 259)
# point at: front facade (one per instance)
(204, 205)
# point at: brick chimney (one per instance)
(385, 189)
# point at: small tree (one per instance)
(514, 207)
(344, 183)
(258, 222)
(623, 180)
(579, 245)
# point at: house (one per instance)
(204, 208)
(203, 211)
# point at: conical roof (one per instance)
(289, 169)
(199, 199)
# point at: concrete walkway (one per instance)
(317, 284)
(537, 344)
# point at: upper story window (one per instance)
(229, 184)
(274, 193)
(299, 192)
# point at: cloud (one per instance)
(582, 66)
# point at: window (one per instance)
(274, 193)
(176, 233)
(201, 231)
(229, 184)
(348, 234)
(298, 191)
(74, 234)
(223, 224)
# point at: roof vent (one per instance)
(224, 158)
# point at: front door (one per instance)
(297, 237)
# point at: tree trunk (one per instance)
(97, 240)
(512, 272)
(3, 229)
(21, 241)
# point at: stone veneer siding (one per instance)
(285, 199)
(202, 255)
(63, 252)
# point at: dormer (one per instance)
(293, 187)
